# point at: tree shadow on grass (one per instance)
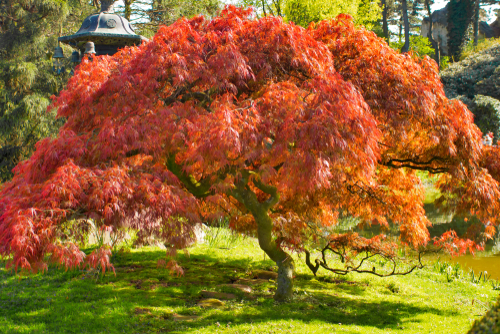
(142, 298)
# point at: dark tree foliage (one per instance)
(28, 34)
(460, 19)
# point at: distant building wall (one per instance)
(439, 33)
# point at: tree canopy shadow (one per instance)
(142, 298)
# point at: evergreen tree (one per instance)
(28, 34)
(460, 19)
(148, 15)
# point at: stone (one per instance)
(241, 287)
(218, 295)
(141, 310)
(211, 303)
(263, 274)
(179, 317)
(251, 281)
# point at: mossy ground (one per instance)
(142, 298)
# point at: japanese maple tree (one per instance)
(277, 127)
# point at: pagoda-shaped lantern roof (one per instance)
(108, 31)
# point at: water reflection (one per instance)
(489, 260)
(479, 263)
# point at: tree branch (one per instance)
(270, 190)
(415, 164)
(199, 189)
(346, 247)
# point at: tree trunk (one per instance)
(128, 8)
(260, 212)
(434, 43)
(406, 46)
(400, 29)
(476, 21)
(284, 261)
(385, 26)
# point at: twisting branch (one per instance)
(349, 246)
(185, 94)
(270, 190)
(362, 190)
(415, 164)
(315, 268)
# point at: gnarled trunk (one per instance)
(283, 260)
(285, 280)
(260, 212)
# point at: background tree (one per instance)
(476, 20)
(264, 7)
(406, 25)
(460, 19)
(28, 35)
(387, 13)
(434, 43)
(364, 12)
(148, 15)
(279, 128)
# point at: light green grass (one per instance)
(482, 44)
(143, 299)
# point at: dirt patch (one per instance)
(339, 281)
(180, 317)
(211, 303)
(129, 269)
(141, 310)
(218, 295)
(136, 283)
(249, 281)
(240, 287)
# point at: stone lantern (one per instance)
(107, 31)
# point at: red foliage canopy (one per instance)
(257, 120)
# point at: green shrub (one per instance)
(477, 74)
(487, 114)
(482, 44)
(490, 323)
(418, 44)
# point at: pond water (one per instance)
(489, 260)
(479, 263)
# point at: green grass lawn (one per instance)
(144, 299)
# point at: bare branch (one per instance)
(416, 164)
(348, 249)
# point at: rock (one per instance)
(241, 287)
(251, 281)
(218, 295)
(179, 317)
(141, 310)
(263, 274)
(200, 232)
(211, 303)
